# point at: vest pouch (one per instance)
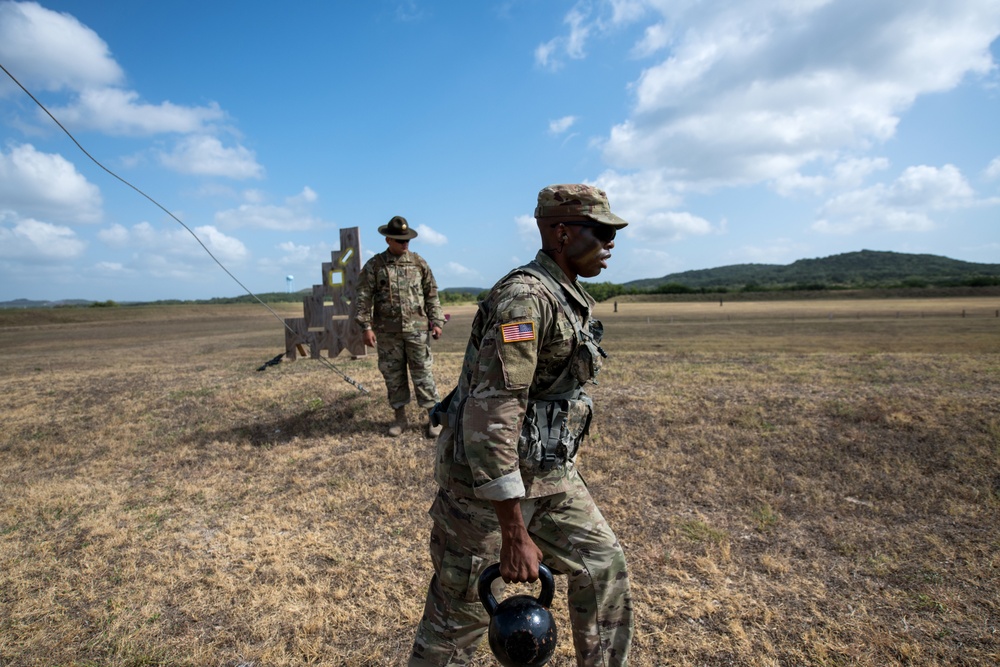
(588, 356)
(586, 361)
(553, 430)
(578, 415)
(529, 442)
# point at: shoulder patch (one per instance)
(516, 332)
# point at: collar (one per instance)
(390, 258)
(572, 287)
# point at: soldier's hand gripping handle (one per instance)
(519, 556)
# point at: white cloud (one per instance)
(931, 187)
(572, 45)
(648, 201)
(585, 20)
(778, 251)
(53, 51)
(629, 11)
(305, 261)
(527, 230)
(47, 50)
(206, 156)
(115, 236)
(993, 170)
(902, 206)
(120, 112)
(254, 196)
(655, 38)
(797, 95)
(431, 237)
(459, 271)
(307, 196)
(33, 241)
(848, 173)
(46, 185)
(166, 243)
(758, 90)
(560, 125)
(579, 32)
(638, 260)
(294, 215)
(853, 172)
(543, 53)
(294, 252)
(639, 193)
(671, 226)
(266, 217)
(111, 268)
(225, 248)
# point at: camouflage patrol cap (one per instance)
(398, 229)
(575, 200)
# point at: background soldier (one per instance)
(398, 299)
(506, 461)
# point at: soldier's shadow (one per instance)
(344, 418)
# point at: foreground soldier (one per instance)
(506, 461)
(399, 287)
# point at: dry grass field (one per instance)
(795, 483)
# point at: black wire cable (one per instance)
(55, 120)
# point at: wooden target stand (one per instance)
(327, 322)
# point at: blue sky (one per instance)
(725, 132)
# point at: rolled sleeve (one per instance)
(502, 488)
(491, 424)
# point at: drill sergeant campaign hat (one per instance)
(398, 229)
(572, 201)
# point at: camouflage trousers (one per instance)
(396, 353)
(575, 540)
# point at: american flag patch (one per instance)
(518, 331)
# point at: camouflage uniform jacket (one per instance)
(397, 294)
(522, 344)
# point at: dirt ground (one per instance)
(795, 483)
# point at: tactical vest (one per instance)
(556, 420)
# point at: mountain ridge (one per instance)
(863, 268)
(852, 268)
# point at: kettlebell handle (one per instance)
(493, 572)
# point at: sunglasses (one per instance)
(603, 233)
(401, 241)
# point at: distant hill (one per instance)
(855, 270)
(32, 303)
(867, 268)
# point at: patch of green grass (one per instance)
(766, 518)
(697, 530)
(926, 602)
(200, 392)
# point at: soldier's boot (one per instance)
(433, 430)
(399, 422)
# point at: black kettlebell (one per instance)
(522, 631)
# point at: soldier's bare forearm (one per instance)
(519, 557)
